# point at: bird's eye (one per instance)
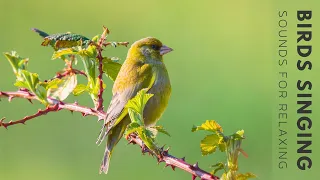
(155, 47)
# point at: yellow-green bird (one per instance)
(143, 68)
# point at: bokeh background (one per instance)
(223, 67)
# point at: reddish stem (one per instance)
(99, 104)
(174, 162)
(56, 105)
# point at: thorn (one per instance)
(144, 149)
(71, 112)
(194, 177)
(183, 159)
(30, 101)
(131, 142)
(10, 98)
(195, 166)
(172, 166)
(165, 152)
(84, 114)
(75, 103)
(162, 148)
(159, 159)
(1, 122)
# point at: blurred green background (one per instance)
(223, 67)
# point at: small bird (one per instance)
(143, 68)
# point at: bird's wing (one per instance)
(116, 111)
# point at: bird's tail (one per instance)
(41, 33)
(114, 135)
(105, 161)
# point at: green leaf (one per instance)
(217, 167)
(209, 144)
(17, 63)
(209, 125)
(224, 176)
(62, 52)
(133, 127)
(21, 84)
(139, 101)
(51, 84)
(238, 135)
(222, 145)
(135, 116)
(90, 52)
(79, 89)
(95, 39)
(161, 129)
(31, 80)
(96, 88)
(64, 88)
(135, 108)
(245, 176)
(110, 68)
(90, 69)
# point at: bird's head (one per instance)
(149, 49)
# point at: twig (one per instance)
(22, 121)
(172, 161)
(66, 73)
(56, 105)
(99, 105)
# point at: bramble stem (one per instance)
(56, 105)
(99, 105)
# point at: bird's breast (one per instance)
(161, 90)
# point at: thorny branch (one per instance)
(99, 105)
(56, 105)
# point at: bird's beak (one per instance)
(164, 50)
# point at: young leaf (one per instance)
(79, 89)
(62, 52)
(16, 62)
(209, 125)
(209, 144)
(31, 80)
(90, 69)
(21, 84)
(90, 52)
(238, 135)
(217, 167)
(245, 176)
(51, 84)
(96, 88)
(64, 88)
(139, 101)
(161, 129)
(135, 116)
(95, 39)
(222, 144)
(110, 68)
(133, 127)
